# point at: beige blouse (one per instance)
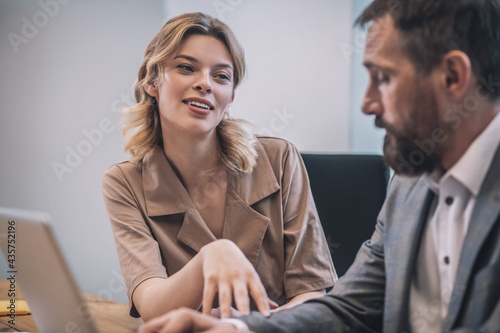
(270, 214)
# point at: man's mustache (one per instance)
(379, 122)
(389, 129)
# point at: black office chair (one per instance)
(349, 191)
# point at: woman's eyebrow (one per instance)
(186, 57)
(192, 59)
(224, 66)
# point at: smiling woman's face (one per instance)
(196, 87)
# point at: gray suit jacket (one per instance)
(373, 296)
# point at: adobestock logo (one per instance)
(280, 120)
(31, 28)
(223, 6)
(93, 138)
(454, 118)
(74, 157)
(359, 37)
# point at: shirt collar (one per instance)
(165, 194)
(472, 167)
(432, 180)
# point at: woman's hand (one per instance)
(228, 272)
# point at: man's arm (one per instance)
(355, 303)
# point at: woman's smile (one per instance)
(199, 106)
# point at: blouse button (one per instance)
(448, 200)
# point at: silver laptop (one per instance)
(36, 263)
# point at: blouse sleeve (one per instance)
(138, 251)
(308, 264)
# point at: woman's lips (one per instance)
(198, 105)
(198, 110)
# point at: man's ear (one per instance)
(151, 89)
(457, 72)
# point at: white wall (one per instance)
(364, 137)
(62, 87)
(68, 77)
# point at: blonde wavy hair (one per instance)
(142, 127)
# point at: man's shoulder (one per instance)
(403, 188)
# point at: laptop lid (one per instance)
(36, 263)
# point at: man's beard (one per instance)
(412, 151)
(406, 158)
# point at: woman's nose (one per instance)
(203, 83)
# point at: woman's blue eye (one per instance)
(186, 68)
(223, 77)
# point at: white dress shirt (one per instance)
(448, 221)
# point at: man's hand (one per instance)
(215, 312)
(186, 320)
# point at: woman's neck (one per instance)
(192, 157)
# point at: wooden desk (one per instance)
(110, 317)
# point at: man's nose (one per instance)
(372, 105)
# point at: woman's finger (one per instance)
(272, 304)
(241, 297)
(225, 299)
(209, 290)
(259, 295)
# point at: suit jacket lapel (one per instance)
(486, 212)
(409, 225)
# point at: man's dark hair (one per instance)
(428, 29)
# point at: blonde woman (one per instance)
(204, 214)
